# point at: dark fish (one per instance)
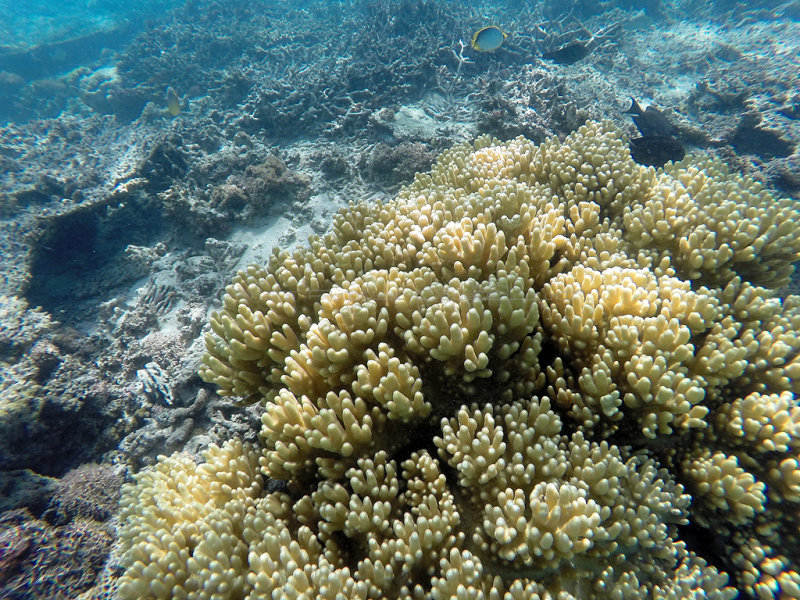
(567, 55)
(651, 121)
(656, 150)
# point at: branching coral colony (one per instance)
(539, 372)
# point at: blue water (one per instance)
(27, 24)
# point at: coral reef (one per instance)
(102, 189)
(25, 489)
(54, 408)
(739, 105)
(206, 419)
(55, 551)
(89, 492)
(395, 165)
(21, 329)
(540, 371)
(41, 561)
(234, 185)
(332, 163)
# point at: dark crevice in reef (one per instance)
(548, 353)
(710, 547)
(761, 142)
(79, 257)
(419, 437)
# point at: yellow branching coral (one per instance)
(183, 524)
(531, 375)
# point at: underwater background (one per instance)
(150, 150)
